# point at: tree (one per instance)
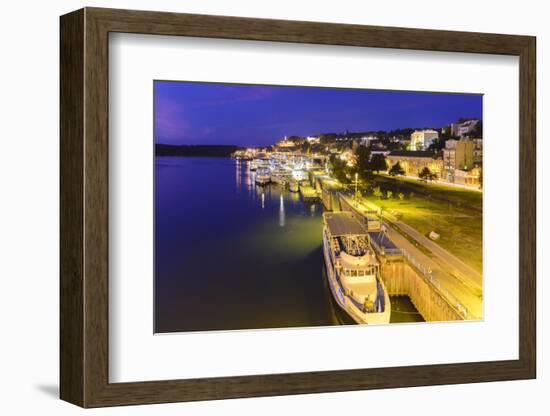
(401, 196)
(377, 192)
(477, 131)
(378, 162)
(362, 154)
(445, 132)
(327, 138)
(389, 194)
(426, 175)
(306, 147)
(339, 169)
(438, 144)
(396, 169)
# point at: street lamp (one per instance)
(356, 188)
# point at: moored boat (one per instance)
(300, 174)
(353, 271)
(280, 175)
(263, 176)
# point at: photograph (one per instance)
(279, 206)
(267, 208)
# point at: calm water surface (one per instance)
(233, 255)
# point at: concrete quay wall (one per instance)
(401, 279)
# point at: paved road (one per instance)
(467, 294)
(462, 271)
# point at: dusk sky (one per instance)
(256, 115)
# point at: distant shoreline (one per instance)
(195, 150)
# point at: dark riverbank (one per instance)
(195, 150)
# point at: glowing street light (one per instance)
(356, 181)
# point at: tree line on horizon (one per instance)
(214, 150)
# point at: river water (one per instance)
(233, 255)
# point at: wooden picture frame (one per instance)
(84, 207)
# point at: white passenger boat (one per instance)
(263, 176)
(256, 164)
(353, 271)
(300, 174)
(280, 175)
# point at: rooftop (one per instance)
(426, 131)
(413, 153)
(343, 223)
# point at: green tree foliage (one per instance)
(445, 132)
(327, 138)
(426, 175)
(296, 139)
(306, 147)
(401, 196)
(396, 169)
(377, 192)
(437, 144)
(339, 169)
(478, 130)
(378, 163)
(401, 132)
(363, 167)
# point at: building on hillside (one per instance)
(313, 140)
(285, 143)
(422, 139)
(478, 150)
(457, 155)
(366, 140)
(464, 128)
(384, 153)
(413, 162)
(471, 178)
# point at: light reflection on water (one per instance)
(281, 211)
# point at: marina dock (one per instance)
(308, 193)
